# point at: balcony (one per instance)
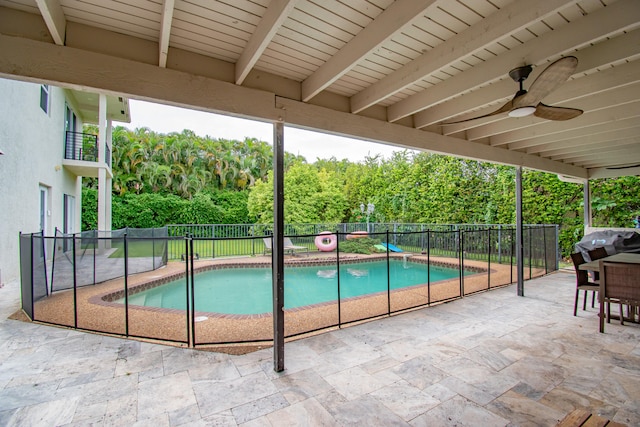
(81, 154)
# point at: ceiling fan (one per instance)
(525, 103)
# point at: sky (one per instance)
(312, 145)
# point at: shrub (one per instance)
(363, 245)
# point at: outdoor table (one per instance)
(623, 257)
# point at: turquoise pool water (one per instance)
(248, 290)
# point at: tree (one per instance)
(231, 181)
(311, 196)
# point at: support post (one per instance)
(519, 234)
(108, 150)
(277, 252)
(102, 172)
(587, 205)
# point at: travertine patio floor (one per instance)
(489, 359)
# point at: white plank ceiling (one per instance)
(384, 70)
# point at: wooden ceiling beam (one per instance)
(548, 142)
(588, 119)
(275, 15)
(53, 16)
(608, 140)
(505, 22)
(312, 117)
(621, 15)
(598, 56)
(613, 172)
(165, 31)
(72, 68)
(516, 129)
(394, 18)
(609, 157)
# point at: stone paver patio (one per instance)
(490, 359)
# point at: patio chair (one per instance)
(582, 282)
(288, 246)
(619, 283)
(596, 254)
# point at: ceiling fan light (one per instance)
(522, 112)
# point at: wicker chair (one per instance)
(582, 282)
(596, 254)
(619, 283)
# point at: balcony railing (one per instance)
(81, 146)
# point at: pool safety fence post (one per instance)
(461, 264)
(556, 236)
(388, 276)
(153, 250)
(338, 275)
(191, 304)
(126, 286)
(530, 251)
(94, 241)
(75, 285)
(31, 276)
(511, 251)
(53, 263)
(43, 254)
(544, 246)
(429, 267)
(489, 258)
(213, 241)
(499, 244)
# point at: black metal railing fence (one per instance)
(81, 146)
(221, 240)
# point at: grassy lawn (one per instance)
(244, 247)
(136, 248)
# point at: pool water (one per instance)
(249, 290)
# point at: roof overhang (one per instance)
(390, 72)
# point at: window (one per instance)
(70, 120)
(44, 208)
(44, 98)
(70, 125)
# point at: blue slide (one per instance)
(392, 248)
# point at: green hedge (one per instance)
(157, 210)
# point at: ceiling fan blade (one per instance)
(552, 77)
(505, 108)
(550, 112)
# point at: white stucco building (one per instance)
(44, 157)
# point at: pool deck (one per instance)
(489, 359)
(96, 312)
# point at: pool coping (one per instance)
(71, 308)
(108, 298)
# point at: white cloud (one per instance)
(311, 145)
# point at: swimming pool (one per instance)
(249, 290)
